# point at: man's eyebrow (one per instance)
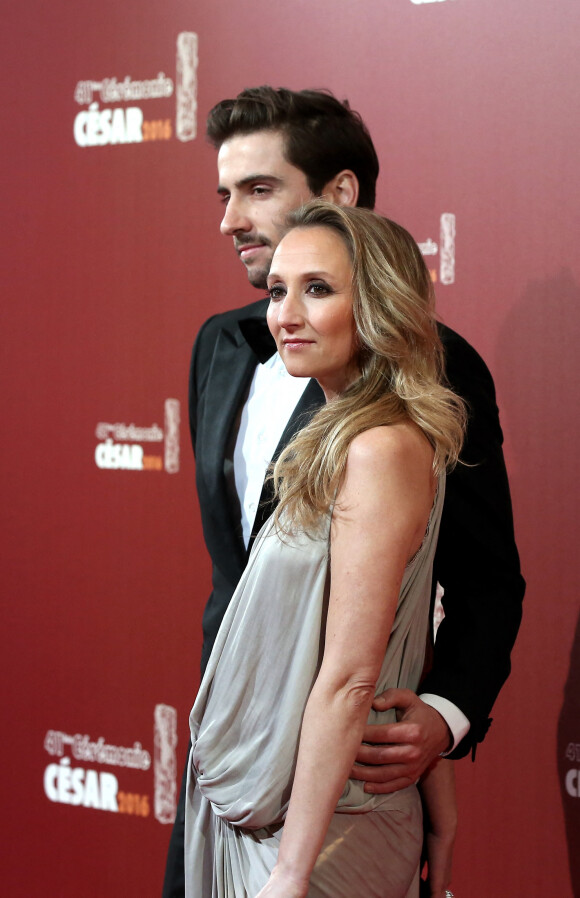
(251, 179)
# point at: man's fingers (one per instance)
(388, 774)
(387, 788)
(381, 786)
(394, 698)
(394, 733)
(387, 754)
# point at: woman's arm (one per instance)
(437, 789)
(379, 522)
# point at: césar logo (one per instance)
(97, 128)
(86, 787)
(122, 124)
(77, 786)
(120, 456)
(120, 446)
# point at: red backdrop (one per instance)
(111, 260)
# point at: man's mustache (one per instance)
(250, 240)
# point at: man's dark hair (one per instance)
(322, 136)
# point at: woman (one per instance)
(333, 605)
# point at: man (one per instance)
(277, 149)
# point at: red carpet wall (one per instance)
(111, 260)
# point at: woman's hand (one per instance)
(282, 885)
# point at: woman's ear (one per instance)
(342, 189)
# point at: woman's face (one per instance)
(310, 313)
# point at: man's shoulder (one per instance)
(462, 362)
(229, 320)
(469, 377)
(209, 335)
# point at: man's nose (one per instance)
(234, 219)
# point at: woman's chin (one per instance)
(295, 369)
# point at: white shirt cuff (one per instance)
(453, 717)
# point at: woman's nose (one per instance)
(291, 313)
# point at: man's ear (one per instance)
(342, 189)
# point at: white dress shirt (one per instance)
(273, 396)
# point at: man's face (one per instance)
(258, 187)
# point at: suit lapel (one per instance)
(232, 366)
(309, 403)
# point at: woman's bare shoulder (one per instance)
(388, 467)
(396, 444)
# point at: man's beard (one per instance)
(257, 277)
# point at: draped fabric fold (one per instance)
(245, 727)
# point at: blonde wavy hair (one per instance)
(399, 357)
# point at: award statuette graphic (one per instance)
(447, 249)
(186, 92)
(164, 763)
(172, 420)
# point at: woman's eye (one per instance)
(276, 292)
(318, 288)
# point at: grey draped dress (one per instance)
(245, 730)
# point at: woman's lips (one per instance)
(296, 343)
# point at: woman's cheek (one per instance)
(272, 320)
